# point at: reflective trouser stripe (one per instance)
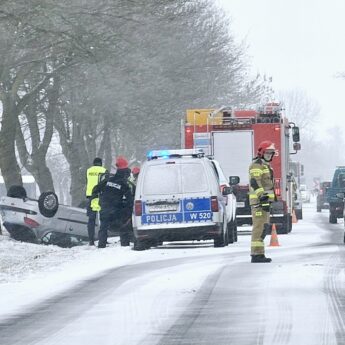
(257, 244)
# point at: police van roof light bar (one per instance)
(165, 154)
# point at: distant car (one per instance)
(305, 193)
(321, 199)
(178, 198)
(336, 206)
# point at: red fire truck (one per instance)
(232, 136)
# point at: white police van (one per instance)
(178, 198)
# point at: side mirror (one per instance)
(295, 134)
(226, 190)
(296, 146)
(234, 180)
(340, 196)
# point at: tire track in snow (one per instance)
(334, 287)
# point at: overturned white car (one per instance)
(42, 220)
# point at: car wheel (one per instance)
(333, 218)
(48, 204)
(17, 192)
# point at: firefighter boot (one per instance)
(260, 258)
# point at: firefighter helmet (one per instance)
(266, 150)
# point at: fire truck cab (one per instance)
(232, 137)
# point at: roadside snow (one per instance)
(30, 273)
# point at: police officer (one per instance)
(261, 195)
(112, 191)
(92, 179)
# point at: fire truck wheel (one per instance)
(284, 226)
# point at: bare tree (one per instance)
(301, 109)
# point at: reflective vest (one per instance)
(95, 206)
(92, 177)
(260, 181)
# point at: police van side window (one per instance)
(161, 179)
(193, 178)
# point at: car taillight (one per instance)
(138, 208)
(30, 222)
(214, 204)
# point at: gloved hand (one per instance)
(266, 207)
(263, 198)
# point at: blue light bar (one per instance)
(165, 154)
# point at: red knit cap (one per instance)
(121, 162)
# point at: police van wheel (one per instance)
(231, 232)
(220, 241)
(48, 204)
(235, 232)
(140, 245)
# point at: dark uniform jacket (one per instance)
(112, 191)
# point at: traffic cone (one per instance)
(294, 218)
(274, 237)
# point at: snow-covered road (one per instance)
(177, 294)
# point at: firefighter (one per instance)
(261, 195)
(92, 179)
(112, 192)
(134, 179)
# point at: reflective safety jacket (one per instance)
(132, 182)
(260, 182)
(92, 177)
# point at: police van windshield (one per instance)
(174, 179)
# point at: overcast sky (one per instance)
(301, 44)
